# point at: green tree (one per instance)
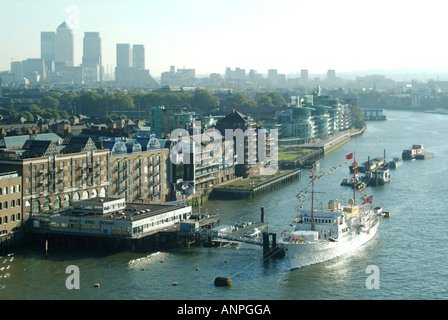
(239, 100)
(203, 100)
(88, 102)
(49, 102)
(264, 101)
(28, 116)
(277, 99)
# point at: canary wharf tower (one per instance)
(64, 47)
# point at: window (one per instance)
(36, 206)
(47, 204)
(57, 203)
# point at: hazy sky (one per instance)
(210, 35)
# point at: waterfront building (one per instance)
(207, 164)
(10, 203)
(137, 175)
(114, 217)
(55, 173)
(298, 122)
(246, 167)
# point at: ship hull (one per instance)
(309, 253)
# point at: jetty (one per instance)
(255, 186)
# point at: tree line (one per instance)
(61, 105)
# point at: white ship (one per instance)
(321, 235)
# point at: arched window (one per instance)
(57, 203)
(46, 204)
(85, 195)
(94, 193)
(76, 196)
(66, 201)
(36, 206)
(103, 193)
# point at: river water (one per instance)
(409, 252)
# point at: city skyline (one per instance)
(206, 36)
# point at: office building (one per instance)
(64, 45)
(304, 76)
(47, 49)
(181, 77)
(92, 57)
(331, 76)
(132, 72)
(124, 55)
(34, 70)
(138, 56)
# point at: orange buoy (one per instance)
(223, 282)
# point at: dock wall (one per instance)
(258, 190)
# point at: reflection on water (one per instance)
(408, 248)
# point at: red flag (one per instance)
(349, 156)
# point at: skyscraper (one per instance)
(124, 55)
(47, 50)
(138, 56)
(304, 76)
(92, 57)
(64, 47)
(130, 67)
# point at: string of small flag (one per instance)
(321, 174)
(365, 199)
(302, 194)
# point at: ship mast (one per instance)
(354, 180)
(312, 198)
